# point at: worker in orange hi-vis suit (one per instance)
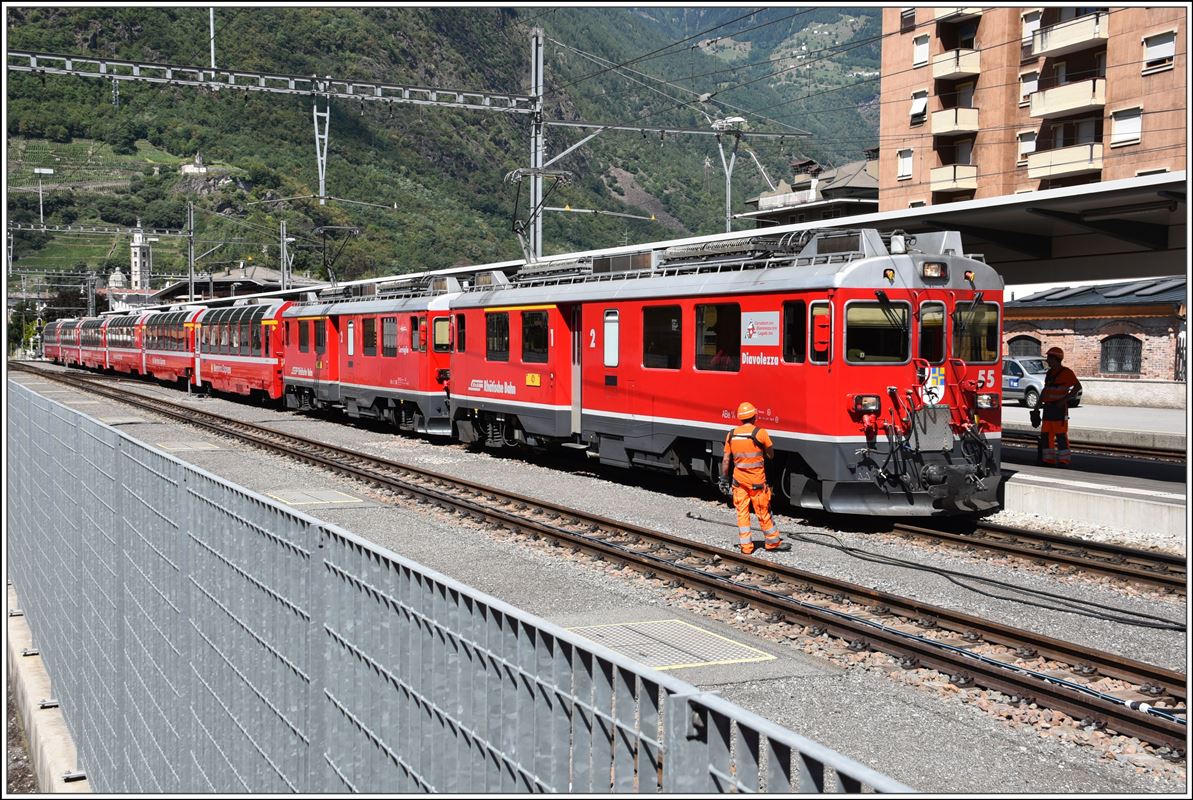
(1059, 385)
(748, 447)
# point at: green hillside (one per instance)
(433, 176)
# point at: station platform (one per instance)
(1094, 490)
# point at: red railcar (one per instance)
(51, 345)
(93, 352)
(122, 337)
(875, 367)
(394, 356)
(311, 376)
(168, 340)
(68, 342)
(240, 349)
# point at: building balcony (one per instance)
(954, 120)
(954, 176)
(1070, 36)
(1071, 98)
(961, 63)
(1078, 159)
(955, 14)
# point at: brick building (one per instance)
(983, 102)
(1126, 331)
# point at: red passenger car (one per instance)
(123, 336)
(240, 349)
(68, 342)
(93, 352)
(168, 340)
(311, 378)
(51, 347)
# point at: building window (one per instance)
(919, 107)
(916, 204)
(1127, 126)
(1154, 171)
(906, 19)
(1028, 83)
(1159, 51)
(1031, 24)
(919, 53)
(1027, 145)
(1121, 355)
(1024, 347)
(904, 164)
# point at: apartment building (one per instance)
(983, 102)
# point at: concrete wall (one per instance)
(1141, 393)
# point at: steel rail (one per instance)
(663, 553)
(1025, 440)
(1127, 563)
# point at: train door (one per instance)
(325, 354)
(576, 326)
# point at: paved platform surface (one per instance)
(925, 739)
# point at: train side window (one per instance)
(718, 337)
(795, 322)
(975, 332)
(414, 338)
(460, 318)
(224, 338)
(389, 336)
(441, 330)
(304, 336)
(258, 344)
(368, 336)
(820, 333)
(424, 333)
(662, 337)
(612, 338)
(320, 336)
(235, 339)
(497, 336)
(877, 333)
(932, 332)
(534, 337)
(351, 338)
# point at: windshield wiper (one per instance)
(963, 321)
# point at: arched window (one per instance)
(1024, 347)
(1121, 355)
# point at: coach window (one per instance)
(389, 336)
(235, 338)
(224, 338)
(975, 332)
(258, 345)
(795, 322)
(612, 338)
(441, 335)
(932, 332)
(497, 336)
(351, 338)
(368, 336)
(320, 336)
(820, 333)
(534, 337)
(877, 333)
(662, 340)
(414, 334)
(460, 333)
(718, 337)
(304, 336)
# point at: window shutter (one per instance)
(1128, 126)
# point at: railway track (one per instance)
(1113, 692)
(1125, 563)
(1027, 440)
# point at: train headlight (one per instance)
(988, 401)
(867, 403)
(934, 270)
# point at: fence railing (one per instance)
(201, 638)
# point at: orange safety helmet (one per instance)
(745, 411)
(1056, 351)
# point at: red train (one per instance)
(874, 360)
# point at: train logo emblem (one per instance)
(933, 389)
(760, 328)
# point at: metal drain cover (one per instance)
(671, 644)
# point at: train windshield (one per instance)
(877, 333)
(975, 333)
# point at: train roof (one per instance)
(827, 259)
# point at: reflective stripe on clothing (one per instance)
(747, 446)
(743, 498)
(1054, 435)
(1057, 384)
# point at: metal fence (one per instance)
(204, 639)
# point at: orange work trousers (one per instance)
(1054, 442)
(743, 498)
